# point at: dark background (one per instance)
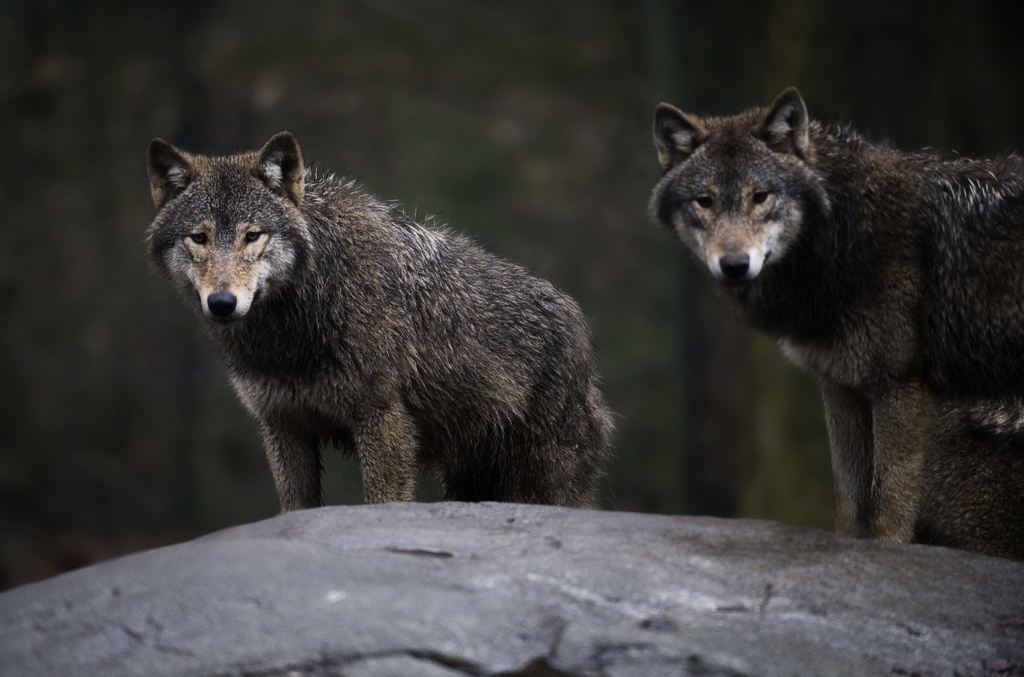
(525, 125)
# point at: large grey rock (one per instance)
(488, 589)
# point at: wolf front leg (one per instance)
(295, 463)
(904, 421)
(848, 419)
(385, 441)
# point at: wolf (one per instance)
(341, 320)
(894, 278)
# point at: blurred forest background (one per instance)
(525, 125)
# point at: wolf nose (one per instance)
(221, 303)
(735, 266)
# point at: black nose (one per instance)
(735, 266)
(221, 303)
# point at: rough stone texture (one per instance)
(487, 589)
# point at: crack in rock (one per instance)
(422, 552)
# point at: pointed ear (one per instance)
(280, 166)
(785, 128)
(676, 135)
(169, 171)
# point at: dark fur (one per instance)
(400, 344)
(898, 285)
(973, 495)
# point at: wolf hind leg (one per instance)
(385, 442)
(538, 474)
(555, 474)
(295, 464)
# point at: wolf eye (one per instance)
(760, 196)
(198, 238)
(704, 202)
(253, 235)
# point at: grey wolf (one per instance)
(341, 320)
(894, 278)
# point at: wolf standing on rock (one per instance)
(340, 320)
(896, 279)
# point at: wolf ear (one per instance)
(785, 127)
(169, 171)
(280, 166)
(676, 135)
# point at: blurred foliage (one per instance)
(525, 125)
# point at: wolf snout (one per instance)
(221, 304)
(735, 266)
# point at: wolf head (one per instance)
(736, 189)
(227, 229)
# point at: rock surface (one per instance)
(487, 589)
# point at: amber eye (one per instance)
(704, 202)
(760, 197)
(253, 235)
(198, 238)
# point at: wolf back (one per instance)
(341, 320)
(893, 277)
